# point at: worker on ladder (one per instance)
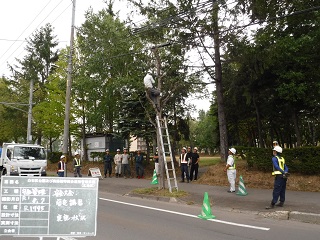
(152, 92)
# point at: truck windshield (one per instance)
(29, 153)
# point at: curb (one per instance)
(151, 197)
(305, 217)
(280, 215)
(292, 215)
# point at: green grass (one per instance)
(209, 161)
(160, 192)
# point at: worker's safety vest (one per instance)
(77, 162)
(62, 165)
(233, 167)
(183, 158)
(281, 165)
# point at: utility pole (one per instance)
(29, 136)
(159, 113)
(68, 90)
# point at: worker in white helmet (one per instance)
(231, 170)
(280, 171)
(77, 165)
(117, 162)
(152, 91)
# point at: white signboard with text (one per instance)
(48, 206)
(94, 172)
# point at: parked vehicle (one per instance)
(23, 160)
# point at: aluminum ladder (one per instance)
(166, 152)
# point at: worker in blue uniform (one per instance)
(280, 171)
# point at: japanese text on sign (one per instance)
(48, 206)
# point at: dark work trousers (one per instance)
(107, 168)
(77, 172)
(139, 170)
(126, 169)
(279, 189)
(194, 168)
(154, 93)
(184, 170)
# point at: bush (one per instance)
(304, 160)
(54, 157)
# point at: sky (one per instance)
(20, 18)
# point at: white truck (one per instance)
(23, 160)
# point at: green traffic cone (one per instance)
(206, 209)
(154, 178)
(242, 189)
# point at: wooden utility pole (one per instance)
(158, 110)
(29, 136)
(68, 90)
(159, 114)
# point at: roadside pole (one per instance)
(68, 90)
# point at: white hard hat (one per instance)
(195, 148)
(107, 150)
(277, 149)
(76, 153)
(233, 150)
(62, 156)
(118, 150)
(184, 148)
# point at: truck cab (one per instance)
(23, 160)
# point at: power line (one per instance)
(12, 40)
(172, 19)
(236, 27)
(19, 40)
(26, 28)
(312, 9)
(205, 5)
(34, 30)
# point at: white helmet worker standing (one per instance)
(280, 171)
(231, 170)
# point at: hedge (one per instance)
(304, 160)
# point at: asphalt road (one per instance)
(127, 218)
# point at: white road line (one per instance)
(187, 215)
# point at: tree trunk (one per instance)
(50, 144)
(174, 142)
(84, 142)
(296, 127)
(148, 150)
(39, 139)
(219, 88)
(159, 115)
(261, 142)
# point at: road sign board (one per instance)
(94, 172)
